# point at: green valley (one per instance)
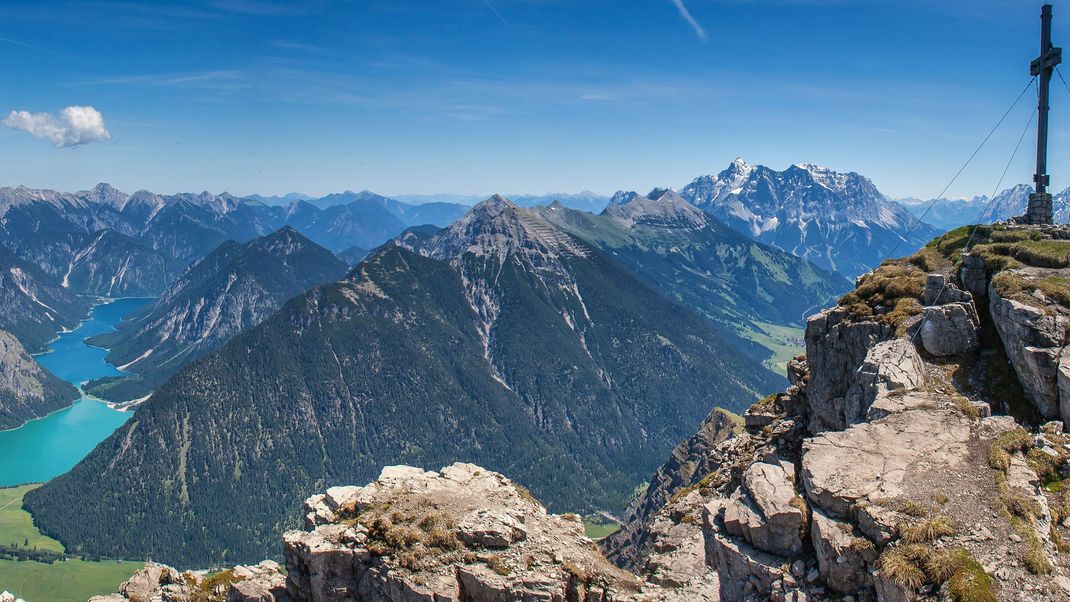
(58, 581)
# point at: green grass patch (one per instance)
(62, 581)
(16, 525)
(785, 342)
(598, 528)
(71, 580)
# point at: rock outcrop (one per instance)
(1034, 335)
(836, 345)
(264, 582)
(880, 474)
(462, 533)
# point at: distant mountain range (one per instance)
(742, 285)
(583, 201)
(106, 242)
(837, 221)
(948, 214)
(233, 288)
(502, 339)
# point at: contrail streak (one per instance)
(686, 14)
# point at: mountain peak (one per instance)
(498, 227)
(663, 206)
(285, 231)
(106, 194)
(621, 197)
(496, 203)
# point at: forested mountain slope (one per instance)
(506, 342)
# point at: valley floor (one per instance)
(63, 581)
(785, 342)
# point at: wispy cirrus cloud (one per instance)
(686, 14)
(72, 126)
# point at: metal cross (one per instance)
(1042, 67)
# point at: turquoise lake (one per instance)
(50, 446)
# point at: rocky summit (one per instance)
(898, 466)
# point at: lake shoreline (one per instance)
(50, 445)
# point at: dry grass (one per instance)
(215, 587)
(891, 294)
(1013, 286)
(965, 407)
(1045, 253)
(497, 564)
(999, 456)
(927, 530)
(415, 540)
(903, 565)
(911, 566)
(1036, 560)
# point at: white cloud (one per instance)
(70, 127)
(686, 14)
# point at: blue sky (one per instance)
(479, 96)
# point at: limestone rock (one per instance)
(264, 582)
(869, 461)
(1033, 339)
(322, 508)
(844, 558)
(776, 524)
(836, 345)
(888, 366)
(950, 329)
(938, 291)
(146, 582)
(974, 274)
(490, 529)
(741, 569)
(460, 533)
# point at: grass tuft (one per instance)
(927, 530)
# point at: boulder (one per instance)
(844, 558)
(950, 329)
(889, 366)
(938, 291)
(780, 511)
